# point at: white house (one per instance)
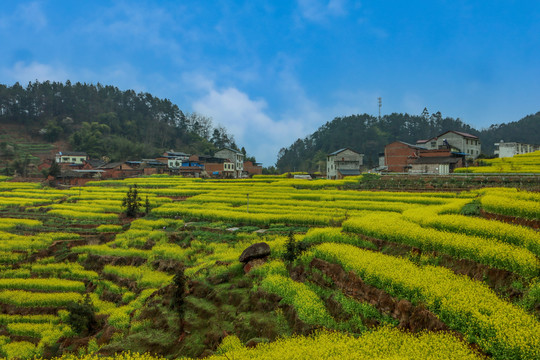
(71, 157)
(509, 149)
(459, 141)
(234, 156)
(343, 162)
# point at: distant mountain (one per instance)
(369, 135)
(526, 130)
(105, 121)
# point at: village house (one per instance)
(459, 142)
(232, 156)
(403, 157)
(436, 165)
(71, 157)
(399, 155)
(214, 166)
(342, 163)
(509, 149)
(119, 170)
(174, 159)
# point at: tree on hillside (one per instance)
(132, 202)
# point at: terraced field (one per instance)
(350, 274)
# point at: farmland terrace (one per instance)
(328, 268)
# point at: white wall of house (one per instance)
(438, 169)
(174, 163)
(509, 149)
(236, 157)
(344, 160)
(70, 159)
(470, 146)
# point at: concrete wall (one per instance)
(438, 169)
(510, 149)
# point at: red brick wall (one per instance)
(211, 167)
(398, 155)
(252, 169)
(432, 153)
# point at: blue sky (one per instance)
(274, 71)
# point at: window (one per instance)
(74, 159)
(433, 144)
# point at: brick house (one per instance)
(119, 170)
(400, 156)
(215, 166)
(342, 163)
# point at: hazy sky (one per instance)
(274, 71)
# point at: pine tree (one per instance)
(132, 202)
(146, 205)
(179, 294)
(290, 248)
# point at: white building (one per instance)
(71, 157)
(343, 162)
(234, 156)
(457, 141)
(509, 149)
(175, 158)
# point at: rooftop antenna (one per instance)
(380, 105)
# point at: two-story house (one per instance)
(343, 162)
(234, 156)
(457, 141)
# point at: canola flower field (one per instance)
(479, 277)
(521, 163)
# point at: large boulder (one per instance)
(255, 251)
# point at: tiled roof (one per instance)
(437, 160)
(72, 153)
(340, 150)
(349, 172)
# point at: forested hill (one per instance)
(105, 121)
(368, 135)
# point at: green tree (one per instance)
(82, 316)
(179, 294)
(132, 202)
(291, 252)
(54, 170)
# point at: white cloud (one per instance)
(248, 120)
(142, 27)
(24, 73)
(32, 14)
(320, 10)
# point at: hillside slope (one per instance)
(368, 135)
(104, 121)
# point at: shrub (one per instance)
(82, 315)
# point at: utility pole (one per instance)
(380, 105)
